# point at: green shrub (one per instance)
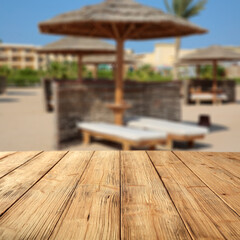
(237, 80)
(147, 74)
(207, 72)
(5, 71)
(65, 70)
(105, 73)
(23, 77)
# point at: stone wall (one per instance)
(88, 102)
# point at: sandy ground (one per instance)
(24, 124)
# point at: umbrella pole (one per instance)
(215, 80)
(95, 71)
(198, 70)
(119, 82)
(80, 67)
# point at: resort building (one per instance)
(20, 56)
(163, 56)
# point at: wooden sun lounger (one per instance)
(127, 137)
(175, 131)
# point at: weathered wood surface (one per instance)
(15, 184)
(13, 161)
(220, 174)
(147, 210)
(119, 195)
(37, 212)
(5, 154)
(204, 214)
(94, 211)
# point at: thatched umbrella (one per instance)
(119, 20)
(107, 59)
(79, 46)
(212, 54)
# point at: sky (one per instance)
(19, 20)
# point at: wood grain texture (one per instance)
(94, 210)
(9, 163)
(119, 195)
(5, 154)
(147, 210)
(227, 161)
(15, 184)
(35, 215)
(205, 214)
(220, 174)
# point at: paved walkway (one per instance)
(24, 124)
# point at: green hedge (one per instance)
(237, 80)
(24, 77)
(66, 70)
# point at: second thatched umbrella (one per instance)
(107, 59)
(119, 20)
(212, 54)
(80, 46)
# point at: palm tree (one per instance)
(184, 9)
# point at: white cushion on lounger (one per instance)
(202, 96)
(207, 96)
(121, 131)
(222, 96)
(170, 127)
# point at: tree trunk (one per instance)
(177, 50)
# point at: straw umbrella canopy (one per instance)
(119, 20)
(79, 46)
(212, 54)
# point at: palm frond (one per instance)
(167, 5)
(185, 8)
(194, 10)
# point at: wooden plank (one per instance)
(13, 161)
(205, 215)
(35, 215)
(94, 212)
(228, 161)
(218, 176)
(5, 154)
(14, 185)
(147, 210)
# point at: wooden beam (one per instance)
(104, 30)
(115, 30)
(141, 29)
(128, 31)
(215, 81)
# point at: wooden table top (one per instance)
(119, 195)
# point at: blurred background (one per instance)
(42, 99)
